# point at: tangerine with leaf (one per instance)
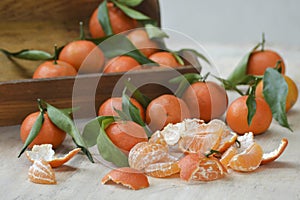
(119, 21)
(260, 60)
(206, 99)
(48, 134)
(165, 59)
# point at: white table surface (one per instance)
(80, 179)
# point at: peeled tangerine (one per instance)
(46, 153)
(41, 172)
(250, 155)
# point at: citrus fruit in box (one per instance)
(260, 60)
(84, 55)
(51, 69)
(292, 94)
(236, 116)
(119, 21)
(142, 42)
(206, 100)
(108, 107)
(121, 64)
(166, 109)
(164, 59)
(48, 134)
(126, 134)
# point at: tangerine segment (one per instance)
(143, 154)
(273, 155)
(162, 169)
(228, 155)
(209, 169)
(132, 178)
(188, 165)
(41, 172)
(249, 160)
(200, 143)
(45, 152)
(227, 140)
(158, 138)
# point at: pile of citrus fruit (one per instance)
(173, 134)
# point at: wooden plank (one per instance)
(18, 98)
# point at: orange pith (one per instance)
(46, 153)
(276, 153)
(162, 169)
(41, 172)
(129, 177)
(144, 153)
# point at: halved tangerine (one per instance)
(132, 178)
(46, 153)
(41, 172)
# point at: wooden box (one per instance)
(40, 25)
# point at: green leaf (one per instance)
(108, 150)
(120, 45)
(251, 106)
(33, 132)
(92, 129)
(178, 58)
(239, 74)
(136, 93)
(69, 111)
(134, 14)
(29, 54)
(155, 32)
(184, 82)
(198, 54)
(65, 123)
(228, 85)
(275, 91)
(131, 3)
(103, 18)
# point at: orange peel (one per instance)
(276, 153)
(46, 153)
(129, 177)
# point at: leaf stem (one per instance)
(82, 35)
(55, 54)
(263, 42)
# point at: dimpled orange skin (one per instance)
(107, 108)
(126, 135)
(237, 112)
(259, 61)
(292, 94)
(142, 42)
(166, 109)
(164, 59)
(49, 69)
(49, 133)
(119, 22)
(83, 52)
(121, 64)
(206, 100)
